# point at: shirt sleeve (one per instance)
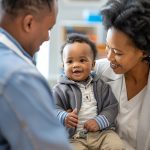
(58, 97)
(107, 105)
(28, 116)
(100, 66)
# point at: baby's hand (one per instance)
(91, 125)
(71, 119)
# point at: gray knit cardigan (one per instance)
(67, 95)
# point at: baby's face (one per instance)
(78, 61)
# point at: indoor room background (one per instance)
(74, 16)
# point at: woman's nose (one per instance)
(110, 55)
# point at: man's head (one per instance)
(28, 21)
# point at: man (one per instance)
(27, 116)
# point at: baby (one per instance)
(85, 104)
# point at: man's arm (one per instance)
(28, 117)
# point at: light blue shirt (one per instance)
(27, 111)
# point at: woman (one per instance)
(127, 68)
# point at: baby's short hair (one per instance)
(81, 38)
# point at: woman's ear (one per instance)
(145, 54)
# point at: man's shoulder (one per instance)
(12, 66)
(11, 63)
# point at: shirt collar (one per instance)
(3, 31)
(86, 83)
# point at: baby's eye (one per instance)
(69, 62)
(82, 60)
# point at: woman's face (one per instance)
(121, 52)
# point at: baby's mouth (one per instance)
(77, 71)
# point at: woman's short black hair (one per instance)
(131, 17)
(81, 38)
(14, 6)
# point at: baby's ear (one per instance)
(62, 65)
(93, 64)
(62, 69)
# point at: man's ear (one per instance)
(28, 22)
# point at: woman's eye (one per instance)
(106, 49)
(116, 52)
(113, 50)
